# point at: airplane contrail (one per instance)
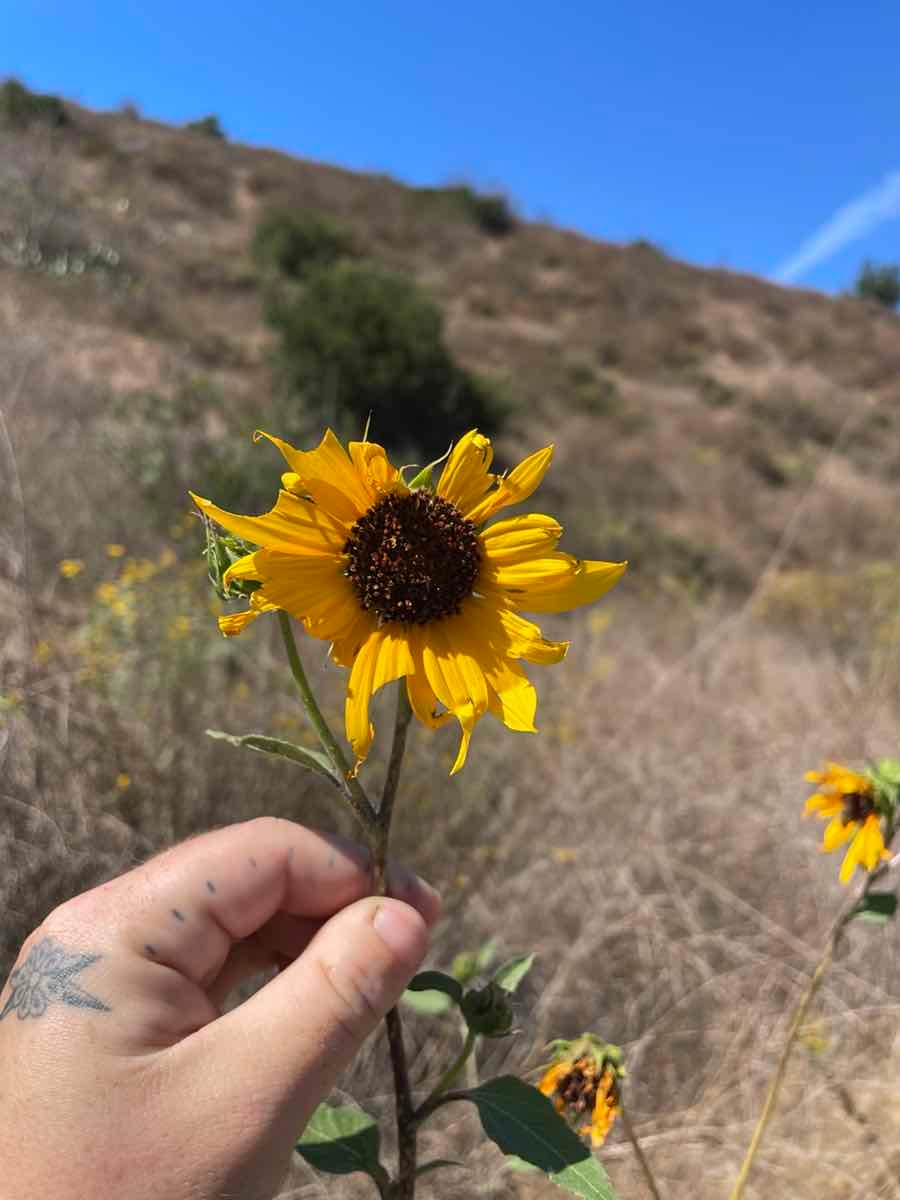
(850, 223)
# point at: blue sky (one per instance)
(727, 133)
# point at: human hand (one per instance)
(120, 1079)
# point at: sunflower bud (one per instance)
(488, 1011)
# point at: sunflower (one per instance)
(411, 581)
(847, 801)
(584, 1085)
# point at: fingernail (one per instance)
(401, 929)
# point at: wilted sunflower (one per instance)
(585, 1085)
(411, 582)
(848, 799)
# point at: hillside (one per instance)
(691, 407)
(738, 442)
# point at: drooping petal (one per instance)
(234, 623)
(383, 657)
(871, 849)
(837, 831)
(514, 487)
(329, 476)
(518, 538)
(422, 698)
(466, 475)
(457, 679)
(294, 526)
(555, 583)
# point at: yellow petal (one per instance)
(383, 657)
(555, 583)
(836, 833)
(512, 698)
(294, 526)
(550, 1079)
(328, 475)
(826, 806)
(514, 487)
(871, 843)
(312, 589)
(526, 640)
(234, 623)
(345, 648)
(422, 698)
(518, 538)
(375, 470)
(466, 475)
(457, 679)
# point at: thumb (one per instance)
(273, 1059)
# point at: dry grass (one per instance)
(649, 842)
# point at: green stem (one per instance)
(632, 1136)
(351, 788)
(407, 1150)
(448, 1078)
(825, 961)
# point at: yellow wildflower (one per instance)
(581, 1087)
(847, 801)
(70, 567)
(179, 628)
(412, 582)
(123, 782)
(115, 550)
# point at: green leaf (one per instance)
(343, 1139)
(511, 974)
(432, 993)
(522, 1122)
(427, 1004)
(876, 907)
(435, 1164)
(313, 760)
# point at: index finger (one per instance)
(186, 907)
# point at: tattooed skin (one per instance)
(47, 976)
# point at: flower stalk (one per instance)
(821, 970)
(376, 826)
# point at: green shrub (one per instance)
(360, 341)
(20, 107)
(293, 244)
(879, 283)
(490, 211)
(209, 126)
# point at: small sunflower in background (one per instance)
(409, 580)
(850, 802)
(583, 1084)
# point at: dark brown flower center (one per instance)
(578, 1089)
(857, 806)
(412, 558)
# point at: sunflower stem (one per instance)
(449, 1077)
(405, 1187)
(821, 970)
(351, 788)
(632, 1136)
